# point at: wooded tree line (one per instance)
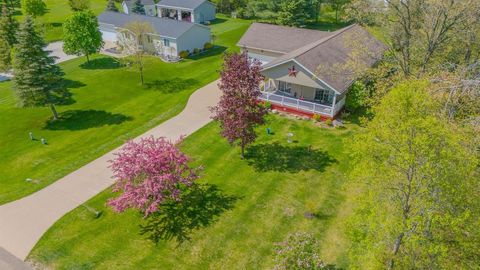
(284, 12)
(416, 162)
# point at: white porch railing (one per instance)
(296, 103)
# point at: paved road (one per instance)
(10, 262)
(24, 221)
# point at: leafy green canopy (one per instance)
(81, 34)
(418, 207)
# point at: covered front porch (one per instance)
(301, 99)
(175, 14)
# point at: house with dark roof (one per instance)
(168, 39)
(195, 11)
(148, 5)
(308, 71)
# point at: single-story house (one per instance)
(169, 39)
(148, 5)
(308, 71)
(195, 11)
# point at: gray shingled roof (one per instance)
(130, 3)
(189, 4)
(327, 57)
(163, 26)
(276, 38)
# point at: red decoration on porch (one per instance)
(292, 72)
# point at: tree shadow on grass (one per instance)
(281, 158)
(171, 85)
(199, 207)
(217, 21)
(85, 119)
(102, 63)
(62, 95)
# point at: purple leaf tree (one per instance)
(148, 173)
(238, 110)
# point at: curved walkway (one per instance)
(24, 221)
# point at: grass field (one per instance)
(108, 106)
(258, 202)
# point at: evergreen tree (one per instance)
(111, 6)
(8, 26)
(138, 7)
(294, 13)
(36, 77)
(5, 56)
(34, 8)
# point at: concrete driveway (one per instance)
(24, 221)
(56, 49)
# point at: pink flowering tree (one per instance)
(238, 110)
(149, 173)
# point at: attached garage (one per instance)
(109, 32)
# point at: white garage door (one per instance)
(109, 36)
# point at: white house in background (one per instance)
(148, 5)
(306, 71)
(170, 38)
(196, 11)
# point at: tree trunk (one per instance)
(141, 74)
(243, 150)
(88, 58)
(396, 247)
(54, 111)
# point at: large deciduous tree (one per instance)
(36, 78)
(238, 110)
(148, 173)
(418, 207)
(81, 34)
(139, 32)
(8, 25)
(293, 13)
(34, 8)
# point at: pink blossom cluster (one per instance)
(149, 172)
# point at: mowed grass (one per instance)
(57, 12)
(109, 106)
(273, 188)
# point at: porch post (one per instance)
(159, 11)
(179, 15)
(192, 17)
(333, 105)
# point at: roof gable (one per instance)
(328, 58)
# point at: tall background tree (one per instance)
(418, 178)
(79, 5)
(5, 56)
(238, 111)
(36, 78)
(294, 13)
(148, 173)
(81, 34)
(139, 32)
(34, 8)
(111, 6)
(8, 25)
(138, 7)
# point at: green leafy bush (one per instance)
(299, 251)
(329, 122)
(208, 46)
(196, 50)
(184, 54)
(317, 117)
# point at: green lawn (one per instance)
(109, 106)
(58, 11)
(263, 198)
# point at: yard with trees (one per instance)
(103, 111)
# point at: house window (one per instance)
(324, 96)
(284, 87)
(166, 42)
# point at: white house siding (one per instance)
(195, 37)
(261, 55)
(303, 77)
(109, 33)
(205, 12)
